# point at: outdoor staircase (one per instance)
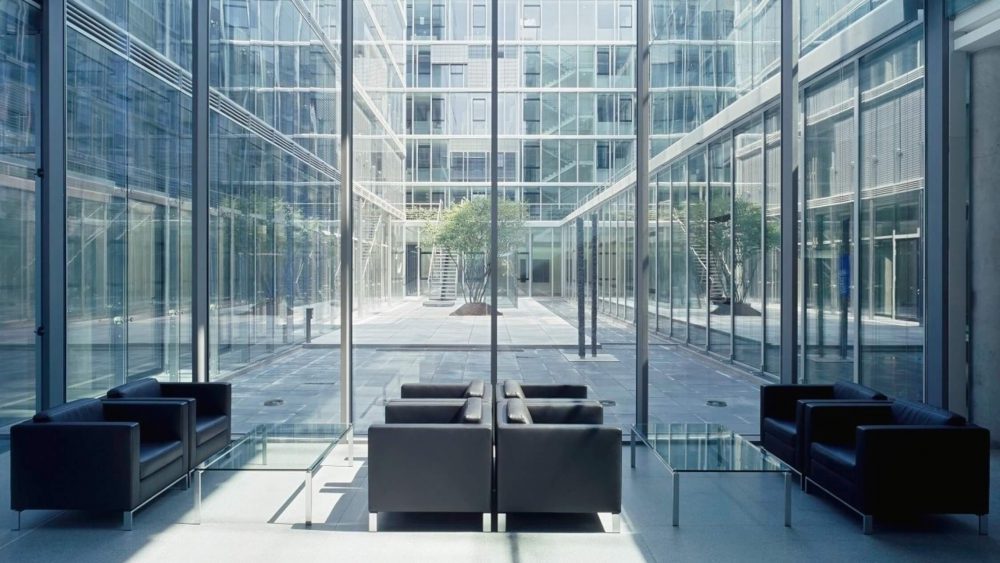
(443, 280)
(708, 267)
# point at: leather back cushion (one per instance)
(853, 391)
(475, 389)
(81, 410)
(512, 390)
(909, 412)
(147, 387)
(472, 412)
(517, 412)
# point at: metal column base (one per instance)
(501, 522)
(127, 520)
(984, 524)
(487, 522)
(373, 521)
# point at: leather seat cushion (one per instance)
(154, 456)
(841, 459)
(783, 430)
(207, 427)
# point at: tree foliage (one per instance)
(464, 233)
(746, 243)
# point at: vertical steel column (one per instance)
(593, 284)
(51, 306)
(762, 264)
(855, 291)
(199, 193)
(346, 210)
(789, 191)
(494, 195)
(641, 283)
(581, 292)
(938, 46)
(732, 244)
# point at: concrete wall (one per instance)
(984, 268)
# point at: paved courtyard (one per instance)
(304, 384)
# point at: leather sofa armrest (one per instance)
(91, 465)
(912, 465)
(559, 468)
(430, 467)
(779, 401)
(214, 398)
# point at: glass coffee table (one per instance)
(707, 448)
(279, 447)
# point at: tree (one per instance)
(464, 233)
(746, 245)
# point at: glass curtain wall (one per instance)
(274, 194)
(748, 244)
(128, 146)
(20, 56)
(891, 218)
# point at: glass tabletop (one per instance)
(704, 447)
(278, 447)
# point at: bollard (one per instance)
(309, 324)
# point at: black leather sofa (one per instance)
(557, 457)
(474, 388)
(431, 456)
(98, 455)
(898, 458)
(210, 418)
(512, 389)
(781, 424)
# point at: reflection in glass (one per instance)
(20, 57)
(892, 215)
(829, 155)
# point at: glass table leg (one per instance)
(197, 495)
(632, 446)
(307, 490)
(677, 498)
(788, 500)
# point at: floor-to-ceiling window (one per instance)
(829, 180)
(748, 243)
(128, 122)
(20, 52)
(891, 259)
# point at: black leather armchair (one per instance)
(557, 456)
(431, 456)
(898, 458)
(512, 389)
(98, 455)
(475, 388)
(210, 418)
(781, 430)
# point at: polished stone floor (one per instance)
(250, 517)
